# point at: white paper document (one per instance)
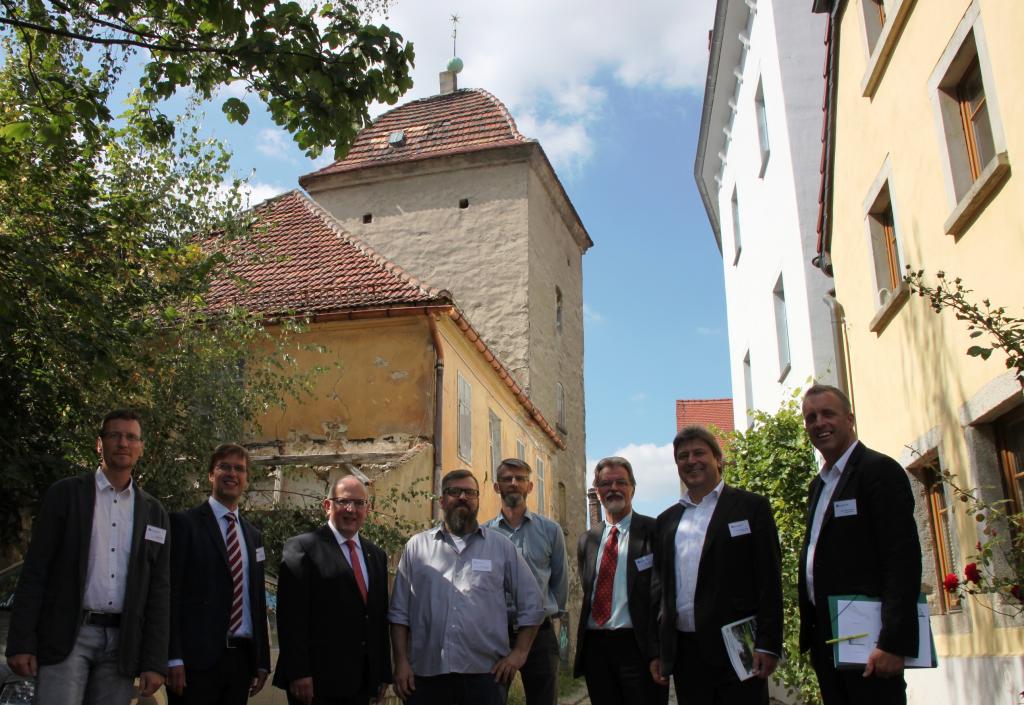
(857, 621)
(739, 644)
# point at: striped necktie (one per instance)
(235, 565)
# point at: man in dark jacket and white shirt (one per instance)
(91, 609)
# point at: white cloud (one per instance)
(276, 143)
(591, 315)
(258, 191)
(235, 89)
(552, 63)
(657, 482)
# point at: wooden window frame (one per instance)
(465, 419)
(1008, 470)
(939, 519)
(971, 75)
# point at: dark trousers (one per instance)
(540, 672)
(360, 699)
(850, 687)
(617, 673)
(226, 683)
(458, 689)
(700, 681)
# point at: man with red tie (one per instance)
(332, 604)
(219, 652)
(618, 623)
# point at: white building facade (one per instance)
(757, 169)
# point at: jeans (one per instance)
(89, 675)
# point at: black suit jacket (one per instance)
(641, 586)
(874, 552)
(201, 590)
(48, 602)
(738, 577)
(324, 628)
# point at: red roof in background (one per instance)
(466, 120)
(705, 412)
(298, 258)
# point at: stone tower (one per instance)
(450, 190)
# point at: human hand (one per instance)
(656, 672)
(149, 683)
(176, 679)
(257, 683)
(302, 689)
(24, 665)
(505, 669)
(883, 664)
(405, 681)
(764, 664)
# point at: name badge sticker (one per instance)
(845, 508)
(261, 555)
(739, 528)
(155, 534)
(645, 562)
(482, 565)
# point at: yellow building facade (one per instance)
(922, 132)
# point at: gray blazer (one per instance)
(47, 610)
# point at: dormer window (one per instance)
(396, 139)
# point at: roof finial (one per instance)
(455, 32)
(455, 65)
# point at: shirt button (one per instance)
(114, 524)
(112, 550)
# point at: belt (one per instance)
(237, 642)
(107, 620)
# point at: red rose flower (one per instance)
(972, 573)
(951, 582)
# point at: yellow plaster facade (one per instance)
(915, 390)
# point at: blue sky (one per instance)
(614, 96)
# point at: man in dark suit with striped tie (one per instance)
(219, 652)
(332, 606)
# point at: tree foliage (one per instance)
(775, 459)
(101, 291)
(317, 66)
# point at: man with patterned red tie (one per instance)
(219, 652)
(618, 623)
(332, 605)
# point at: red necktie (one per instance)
(601, 610)
(235, 565)
(356, 568)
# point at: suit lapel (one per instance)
(139, 522)
(848, 471)
(632, 553)
(718, 517)
(668, 542)
(209, 522)
(86, 510)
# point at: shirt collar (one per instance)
(219, 510)
(340, 538)
(715, 493)
(623, 523)
(440, 532)
(836, 471)
(102, 483)
(501, 521)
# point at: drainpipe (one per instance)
(838, 318)
(438, 407)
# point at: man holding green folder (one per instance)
(861, 540)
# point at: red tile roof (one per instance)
(705, 412)
(298, 259)
(466, 120)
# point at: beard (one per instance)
(614, 505)
(512, 499)
(460, 519)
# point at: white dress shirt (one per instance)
(690, 534)
(110, 546)
(829, 479)
(619, 618)
(344, 551)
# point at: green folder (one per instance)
(852, 653)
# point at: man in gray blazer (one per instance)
(91, 611)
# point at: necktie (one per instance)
(356, 568)
(235, 565)
(602, 608)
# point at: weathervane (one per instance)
(455, 31)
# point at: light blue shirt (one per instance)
(620, 599)
(220, 512)
(539, 540)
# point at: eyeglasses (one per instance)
(119, 436)
(608, 484)
(349, 503)
(455, 492)
(232, 467)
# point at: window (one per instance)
(541, 503)
(1010, 443)
(737, 243)
(367, 218)
(762, 127)
(884, 247)
(970, 131)
(463, 203)
(874, 20)
(558, 310)
(521, 450)
(748, 388)
(940, 528)
(560, 406)
(781, 328)
(494, 427)
(562, 508)
(465, 420)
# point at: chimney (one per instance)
(594, 507)
(449, 82)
